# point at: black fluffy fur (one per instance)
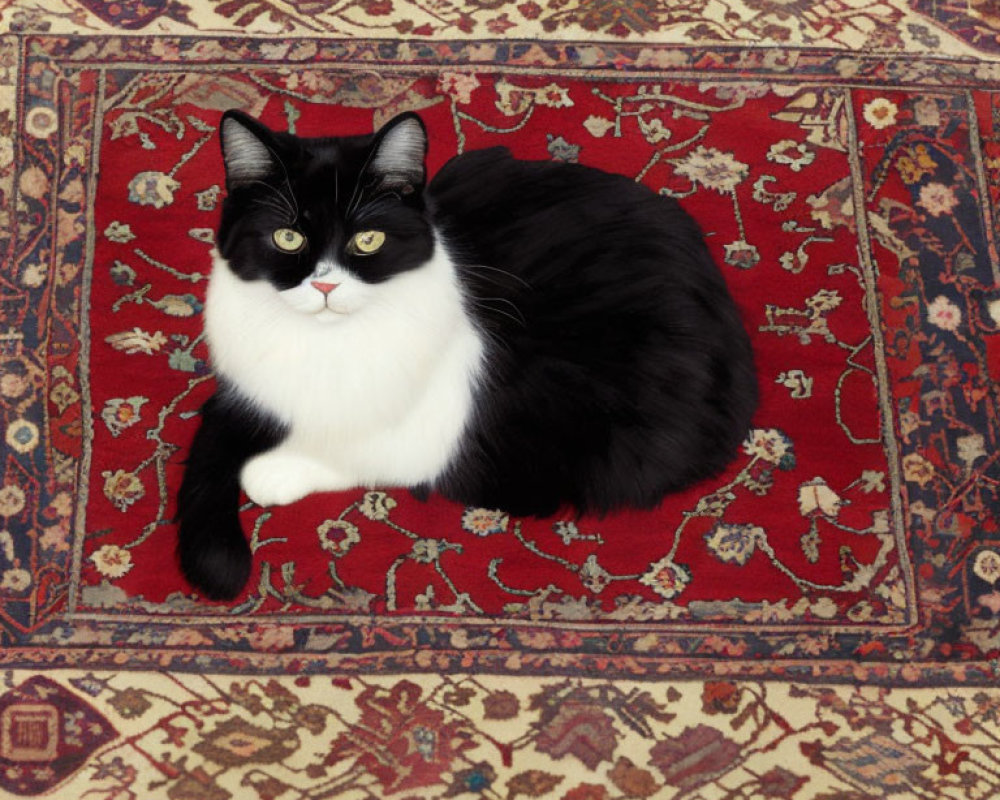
(618, 369)
(619, 366)
(213, 552)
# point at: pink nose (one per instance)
(325, 288)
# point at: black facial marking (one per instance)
(328, 190)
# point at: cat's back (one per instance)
(490, 189)
(607, 315)
(493, 173)
(571, 244)
(546, 221)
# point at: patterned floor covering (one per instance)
(820, 623)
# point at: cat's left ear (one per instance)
(398, 153)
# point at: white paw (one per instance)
(277, 479)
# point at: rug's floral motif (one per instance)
(403, 740)
(976, 21)
(213, 736)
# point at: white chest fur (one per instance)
(379, 396)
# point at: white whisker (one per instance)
(484, 303)
(517, 278)
(287, 205)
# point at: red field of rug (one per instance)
(800, 529)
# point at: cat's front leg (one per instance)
(282, 476)
(213, 552)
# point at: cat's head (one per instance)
(324, 221)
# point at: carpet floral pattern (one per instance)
(846, 176)
(183, 736)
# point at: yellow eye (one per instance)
(288, 240)
(366, 243)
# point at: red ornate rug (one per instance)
(392, 647)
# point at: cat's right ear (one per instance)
(398, 153)
(248, 149)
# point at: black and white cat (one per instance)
(519, 335)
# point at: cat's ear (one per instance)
(398, 152)
(248, 149)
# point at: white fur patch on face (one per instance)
(329, 294)
(247, 157)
